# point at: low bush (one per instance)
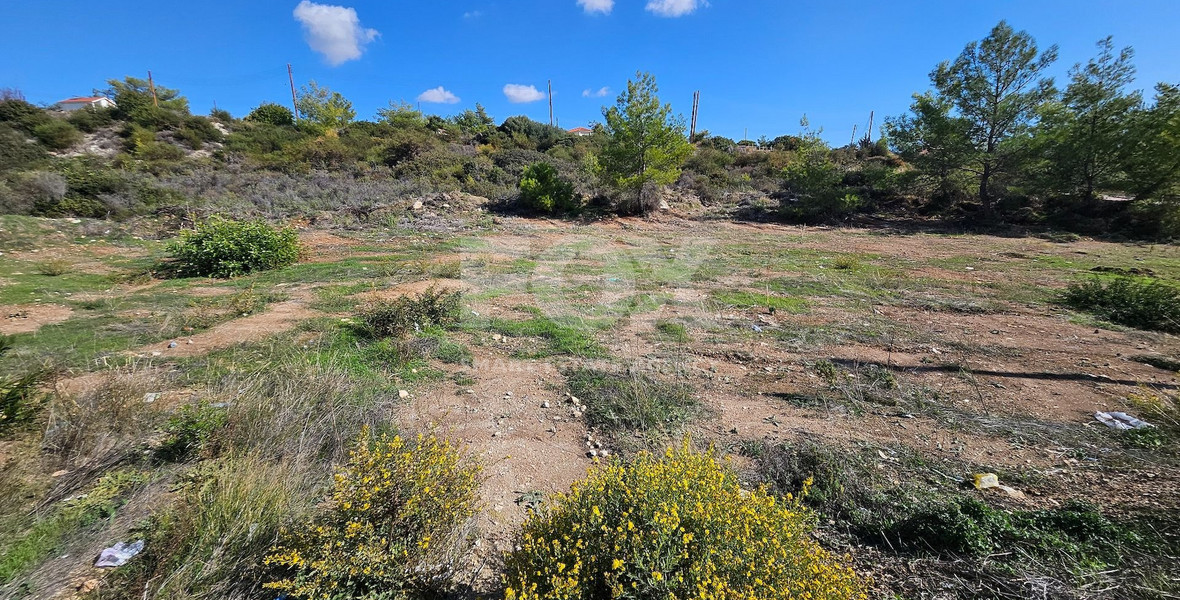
(190, 431)
(395, 527)
(1143, 304)
(632, 402)
(91, 119)
(57, 134)
(272, 114)
(222, 247)
(20, 397)
(543, 190)
(395, 318)
(679, 526)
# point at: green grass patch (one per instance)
(671, 331)
(745, 300)
(1140, 303)
(561, 336)
(22, 551)
(632, 402)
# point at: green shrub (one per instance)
(432, 308)
(190, 430)
(57, 134)
(632, 402)
(1143, 304)
(395, 526)
(221, 247)
(91, 119)
(20, 397)
(542, 189)
(272, 114)
(679, 526)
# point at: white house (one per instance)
(72, 104)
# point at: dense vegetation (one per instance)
(993, 141)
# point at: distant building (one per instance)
(72, 104)
(581, 132)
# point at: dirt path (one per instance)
(277, 318)
(502, 418)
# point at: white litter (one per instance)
(1120, 420)
(119, 554)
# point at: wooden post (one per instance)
(551, 103)
(152, 87)
(291, 78)
(696, 103)
(869, 135)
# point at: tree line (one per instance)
(994, 141)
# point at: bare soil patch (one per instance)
(27, 318)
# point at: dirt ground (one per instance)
(996, 374)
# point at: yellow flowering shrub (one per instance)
(395, 526)
(680, 527)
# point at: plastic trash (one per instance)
(756, 328)
(1120, 420)
(986, 480)
(119, 554)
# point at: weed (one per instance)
(845, 263)
(395, 527)
(23, 551)
(827, 370)
(672, 331)
(54, 267)
(753, 300)
(633, 402)
(20, 398)
(1159, 362)
(190, 431)
(453, 353)
(212, 541)
(1128, 301)
(563, 337)
(396, 318)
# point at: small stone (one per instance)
(497, 337)
(403, 394)
(496, 434)
(574, 399)
(604, 453)
(592, 454)
(190, 340)
(151, 397)
(545, 404)
(59, 473)
(508, 394)
(157, 353)
(417, 205)
(172, 344)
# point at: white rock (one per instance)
(403, 394)
(545, 404)
(417, 205)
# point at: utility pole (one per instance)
(291, 78)
(696, 103)
(551, 103)
(869, 136)
(852, 142)
(152, 86)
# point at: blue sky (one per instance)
(759, 64)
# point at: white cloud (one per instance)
(674, 8)
(333, 31)
(597, 6)
(520, 94)
(600, 93)
(473, 14)
(438, 95)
